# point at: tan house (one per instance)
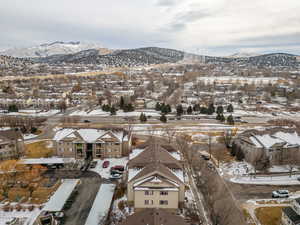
(11, 144)
(92, 143)
(154, 217)
(155, 179)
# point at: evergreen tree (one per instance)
(13, 108)
(222, 118)
(230, 108)
(169, 108)
(157, 106)
(163, 118)
(143, 118)
(196, 107)
(113, 111)
(179, 110)
(211, 109)
(122, 102)
(218, 117)
(220, 109)
(190, 110)
(203, 110)
(164, 109)
(230, 120)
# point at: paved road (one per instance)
(87, 191)
(198, 198)
(244, 192)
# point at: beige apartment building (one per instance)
(92, 143)
(155, 179)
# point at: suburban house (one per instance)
(291, 215)
(92, 143)
(155, 178)
(276, 144)
(154, 217)
(11, 144)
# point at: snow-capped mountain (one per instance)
(243, 55)
(49, 49)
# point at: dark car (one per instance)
(93, 164)
(205, 157)
(119, 168)
(105, 164)
(86, 121)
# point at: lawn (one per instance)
(38, 150)
(269, 215)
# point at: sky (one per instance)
(210, 27)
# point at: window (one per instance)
(163, 193)
(148, 202)
(163, 202)
(148, 192)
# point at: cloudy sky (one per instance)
(214, 27)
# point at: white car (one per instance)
(280, 194)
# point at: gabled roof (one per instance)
(152, 154)
(292, 215)
(88, 135)
(156, 169)
(154, 217)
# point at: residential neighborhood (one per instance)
(160, 112)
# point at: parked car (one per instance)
(280, 194)
(205, 157)
(115, 176)
(119, 168)
(86, 121)
(105, 164)
(93, 164)
(298, 178)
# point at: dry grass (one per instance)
(262, 202)
(248, 217)
(38, 150)
(269, 215)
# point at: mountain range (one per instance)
(79, 53)
(48, 49)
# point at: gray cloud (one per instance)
(215, 26)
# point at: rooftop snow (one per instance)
(101, 205)
(57, 201)
(54, 160)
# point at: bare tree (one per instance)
(169, 133)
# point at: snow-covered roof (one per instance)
(88, 135)
(58, 200)
(267, 140)
(101, 205)
(54, 160)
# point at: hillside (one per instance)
(45, 50)
(128, 57)
(9, 62)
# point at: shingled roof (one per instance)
(152, 154)
(157, 168)
(154, 217)
(292, 215)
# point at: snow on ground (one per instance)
(105, 172)
(27, 216)
(33, 113)
(237, 172)
(235, 169)
(267, 180)
(100, 112)
(29, 136)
